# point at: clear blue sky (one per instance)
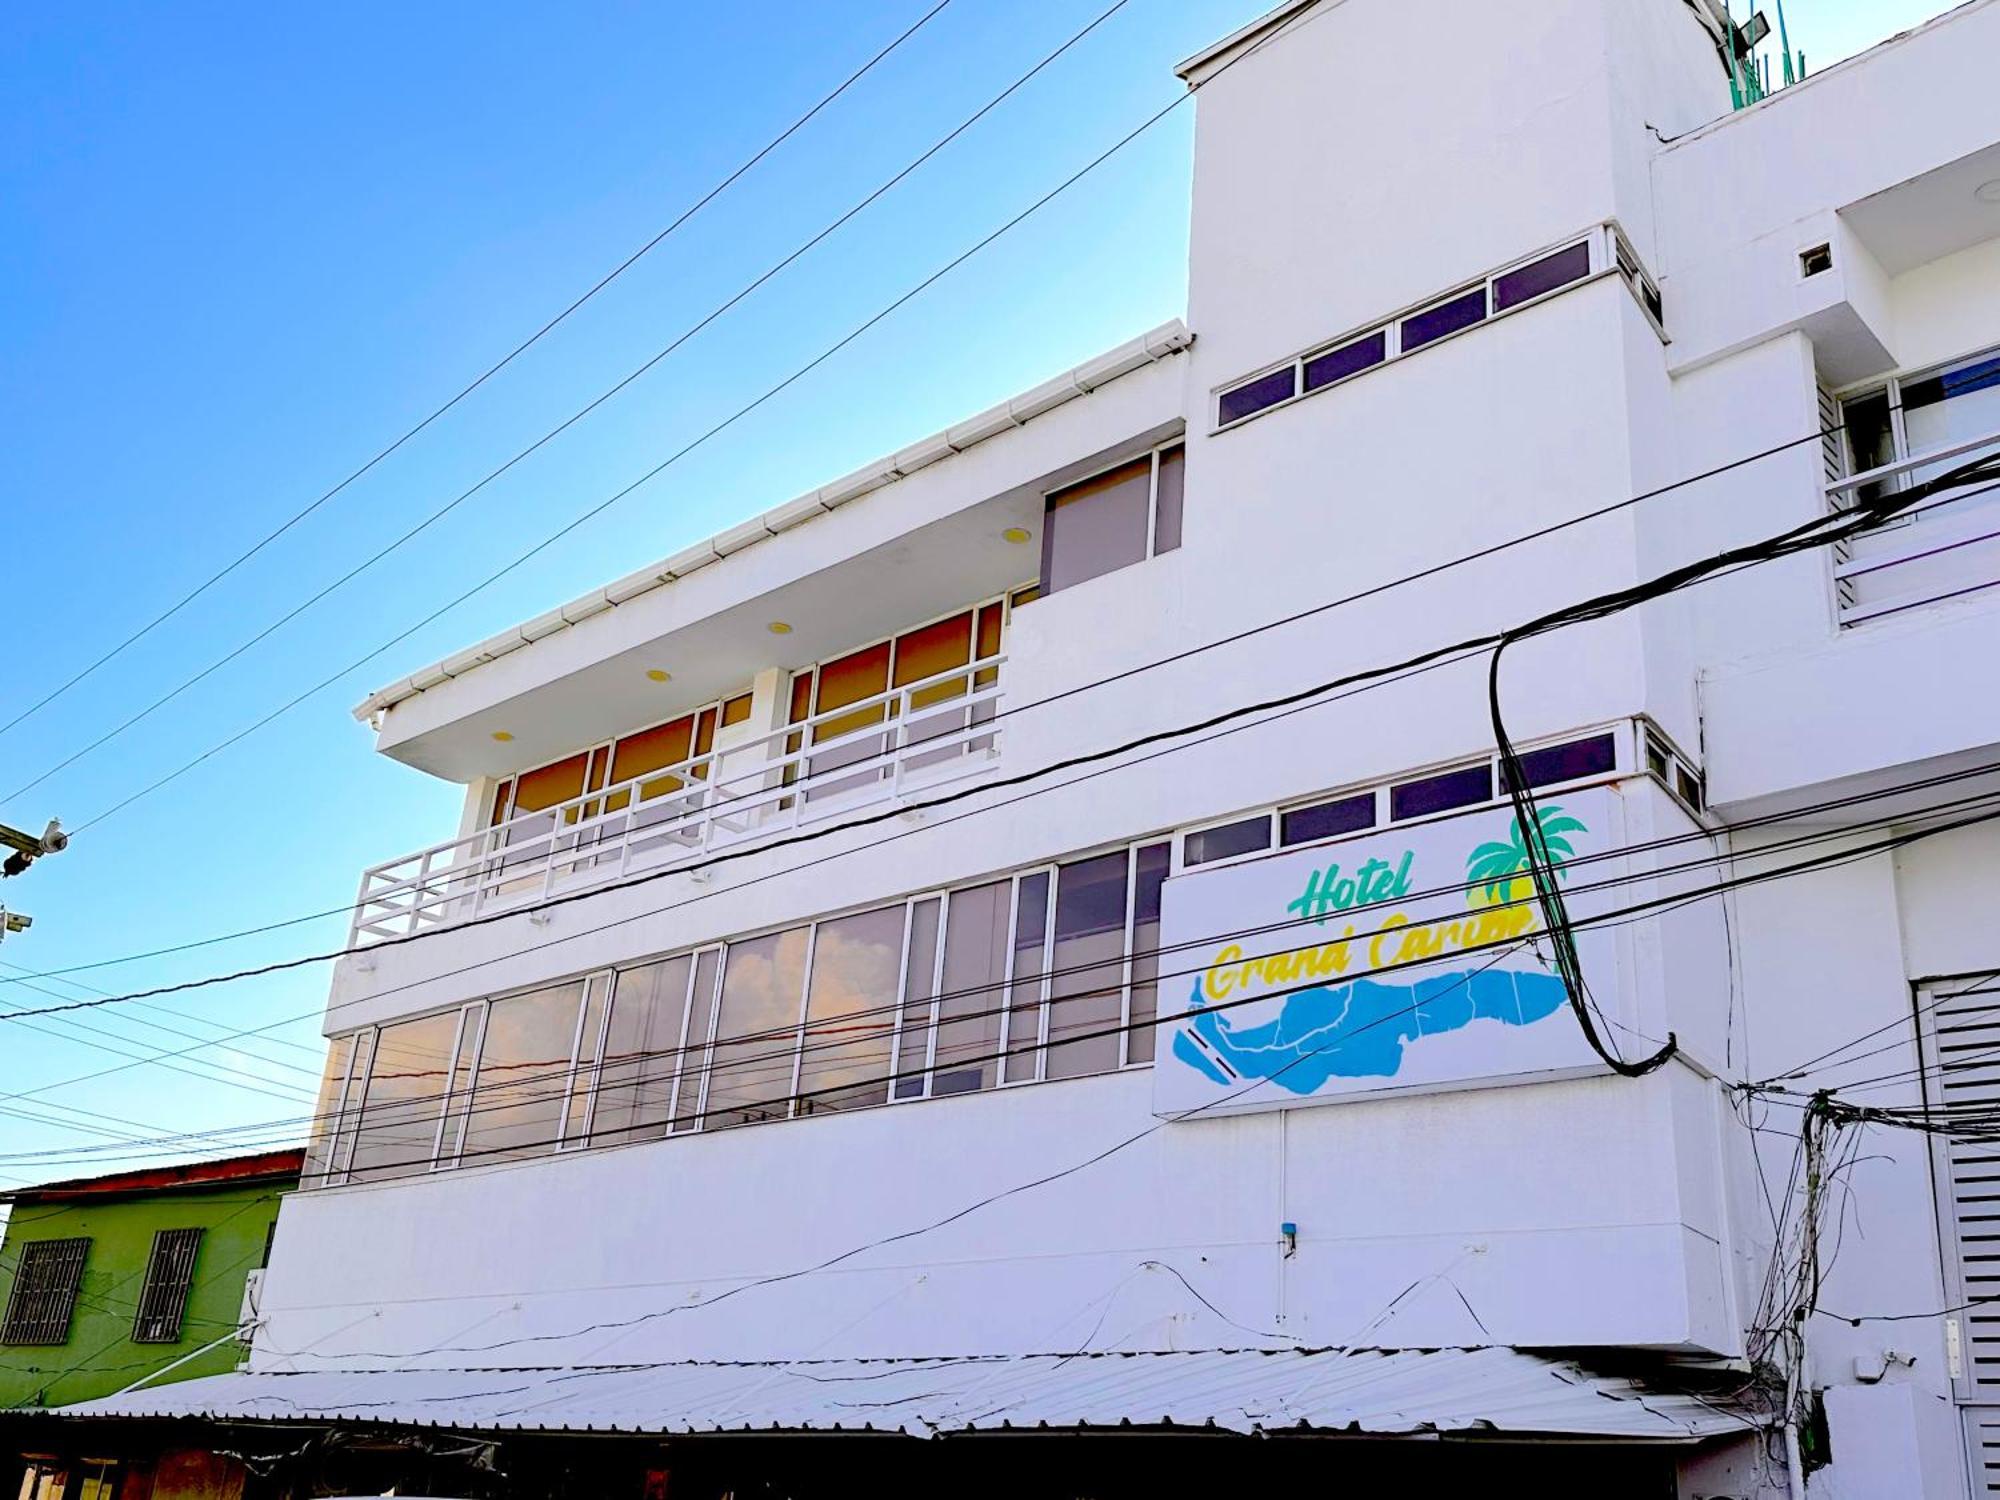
(244, 246)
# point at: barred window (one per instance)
(44, 1294)
(164, 1295)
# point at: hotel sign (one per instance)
(1407, 958)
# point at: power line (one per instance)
(1022, 1187)
(1184, 655)
(519, 349)
(1835, 527)
(559, 1075)
(674, 344)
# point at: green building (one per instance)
(106, 1281)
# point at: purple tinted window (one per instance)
(1591, 757)
(1338, 364)
(1441, 793)
(1255, 395)
(1227, 841)
(1302, 825)
(1544, 275)
(1434, 323)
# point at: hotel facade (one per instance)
(1024, 967)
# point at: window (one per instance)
(1503, 292)
(163, 1295)
(1349, 359)
(1256, 395)
(975, 966)
(850, 1011)
(1227, 841)
(1540, 277)
(1570, 762)
(1325, 820)
(1816, 261)
(641, 1060)
(938, 664)
(756, 1026)
(1441, 793)
(1087, 978)
(46, 1279)
(396, 1126)
(1149, 873)
(1449, 316)
(328, 1111)
(526, 1052)
(1113, 520)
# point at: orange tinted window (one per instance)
(500, 793)
(802, 696)
(933, 649)
(539, 789)
(736, 710)
(650, 749)
(849, 680)
(989, 631)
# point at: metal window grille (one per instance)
(44, 1294)
(163, 1298)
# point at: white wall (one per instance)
(1329, 192)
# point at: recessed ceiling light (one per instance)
(779, 627)
(502, 736)
(1988, 192)
(1014, 534)
(656, 674)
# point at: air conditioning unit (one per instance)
(253, 1291)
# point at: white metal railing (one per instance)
(917, 735)
(1945, 546)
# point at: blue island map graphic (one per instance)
(1362, 1028)
(1357, 1030)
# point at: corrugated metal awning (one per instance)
(1490, 1391)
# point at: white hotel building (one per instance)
(810, 1032)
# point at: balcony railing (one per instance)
(1946, 546)
(868, 752)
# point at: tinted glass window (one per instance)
(1087, 990)
(1024, 997)
(1167, 501)
(1337, 364)
(1097, 526)
(523, 1074)
(1591, 757)
(1539, 276)
(1441, 793)
(1228, 840)
(756, 1028)
(1434, 323)
(1255, 395)
(635, 1086)
(404, 1098)
(1149, 877)
(1323, 820)
(975, 963)
(857, 963)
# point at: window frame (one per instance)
(1611, 254)
(1154, 457)
(1891, 387)
(38, 1326)
(1628, 737)
(162, 1301)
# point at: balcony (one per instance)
(865, 753)
(1945, 547)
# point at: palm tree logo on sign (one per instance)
(1361, 1028)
